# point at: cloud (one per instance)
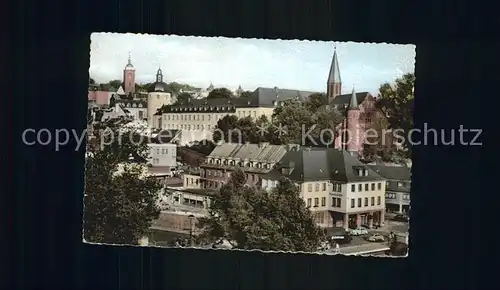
(230, 62)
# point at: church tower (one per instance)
(129, 77)
(354, 138)
(334, 83)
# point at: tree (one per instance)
(396, 102)
(245, 94)
(300, 118)
(255, 219)
(92, 81)
(114, 85)
(227, 130)
(378, 140)
(220, 93)
(120, 198)
(183, 98)
(316, 101)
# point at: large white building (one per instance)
(339, 190)
(199, 117)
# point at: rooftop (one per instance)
(314, 164)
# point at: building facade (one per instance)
(254, 159)
(163, 155)
(358, 109)
(158, 96)
(339, 190)
(199, 117)
(398, 187)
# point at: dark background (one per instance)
(46, 58)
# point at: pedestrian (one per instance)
(337, 248)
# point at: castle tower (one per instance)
(334, 83)
(129, 77)
(354, 131)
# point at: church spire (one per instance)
(334, 75)
(334, 82)
(353, 103)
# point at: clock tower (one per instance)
(129, 78)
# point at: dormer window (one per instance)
(365, 172)
(275, 103)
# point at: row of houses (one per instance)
(340, 190)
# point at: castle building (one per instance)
(158, 96)
(358, 109)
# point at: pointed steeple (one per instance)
(211, 87)
(334, 75)
(353, 103)
(159, 75)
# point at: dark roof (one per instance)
(311, 164)
(261, 97)
(343, 100)
(393, 172)
(267, 96)
(159, 87)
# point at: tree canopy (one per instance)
(396, 102)
(296, 120)
(220, 93)
(245, 94)
(255, 219)
(120, 200)
(183, 98)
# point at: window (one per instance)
(400, 184)
(323, 201)
(316, 202)
(379, 185)
(209, 172)
(366, 201)
(336, 202)
(337, 187)
(359, 202)
(360, 187)
(157, 151)
(373, 200)
(406, 196)
(316, 187)
(353, 188)
(366, 187)
(373, 186)
(353, 203)
(309, 187)
(309, 202)
(378, 200)
(324, 186)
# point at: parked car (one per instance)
(401, 218)
(376, 238)
(359, 231)
(339, 236)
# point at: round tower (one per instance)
(158, 96)
(353, 130)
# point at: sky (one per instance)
(251, 63)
